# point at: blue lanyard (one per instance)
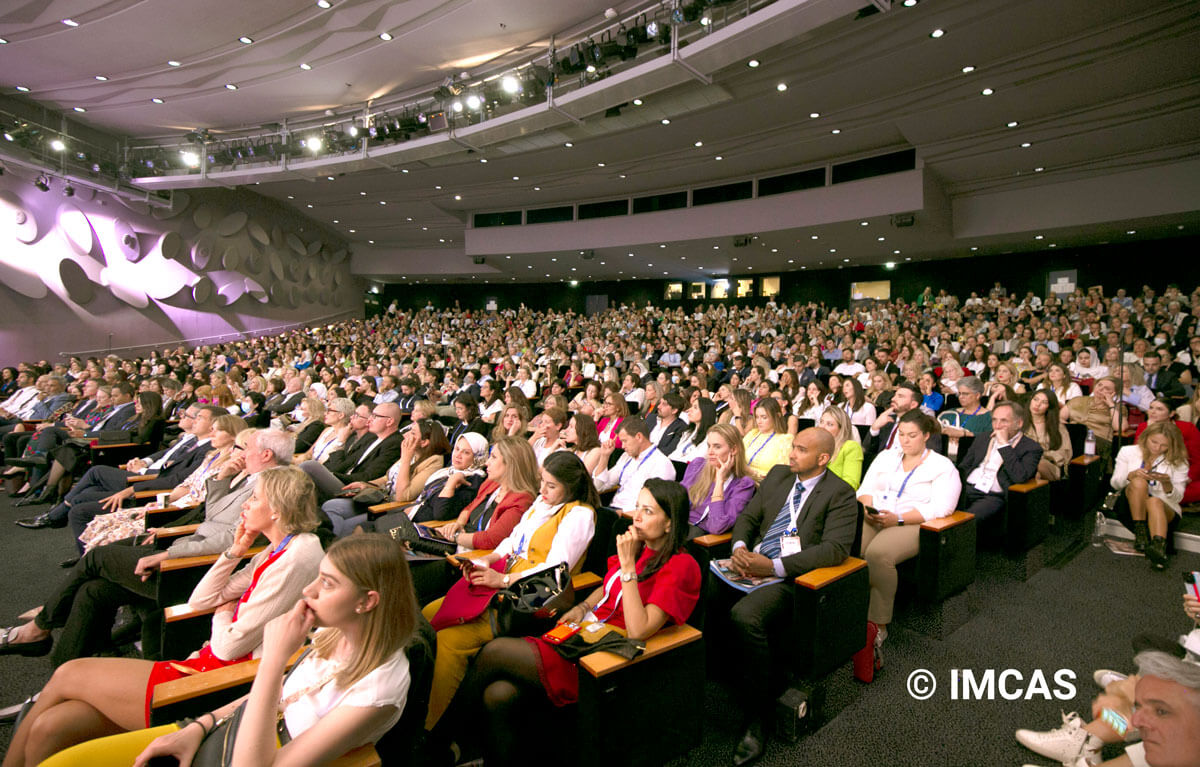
(621, 476)
(282, 544)
(908, 476)
(324, 447)
(766, 442)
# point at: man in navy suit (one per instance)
(997, 460)
(802, 518)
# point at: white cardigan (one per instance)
(1129, 458)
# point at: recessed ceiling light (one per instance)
(438, 187)
(815, 237)
(384, 36)
(458, 196)
(370, 242)
(845, 260)
(441, 239)
(404, 170)
(23, 88)
(323, 3)
(1053, 245)
(896, 252)
(621, 175)
(864, 223)
(353, 231)
(814, 115)
(156, 100)
(3, 41)
(752, 63)
(1025, 145)
(230, 86)
(537, 189)
(1038, 169)
(833, 250)
(383, 202)
(909, 3)
(516, 178)
(781, 87)
(1013, 123)
(568, 145)
(665, 121)
(968, 69)
(718, 157)
(79, 109)
(662, 246)
(336, 221)
(836, 131)
(306, 67)
(245, 40)
(483, 160)
(291, 196)
(637, 102)
(935, 34)
(310, 205)
(101, 78)
(698, 143)
(1039, 237)
(987, 91)
(70, 22)
(791, 260)
(58, 145)
(974, 248)
(599, 165)
(174, 63)
(1131, 231)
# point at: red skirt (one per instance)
(167, 670)
(558, 675)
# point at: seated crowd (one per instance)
(341, 464)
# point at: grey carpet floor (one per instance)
(1078, 614)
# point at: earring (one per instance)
(358, 610)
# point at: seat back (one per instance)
(680, 468)
(401, 745)
(603, 543)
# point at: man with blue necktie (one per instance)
(801, 518)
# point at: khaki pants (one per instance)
(883, 550)
(456, 645)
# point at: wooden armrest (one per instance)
(184, 612)
(1085, 460)
(583, 581)
(474, 554)
(138, 495)
(713, 539)
(1128, 432)
(1026, 487)
(383, 508)
(202, 561)
(599, 664)
(111, 445)
(945, 523)
(823, 576)
(193, 685)
(174, 532)
(140, 478)
(437, 522)
(172, 510)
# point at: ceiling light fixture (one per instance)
(174, 63)
(752, 63)
(968, 69)
(324, 4)
(3, 41)
(637, 102)
(987, 91)
(781, 87)
(70, 22)
(81, 110)
(57, 145)
(1025, 145)
(43, 183)
(305, 67)
(245, 40)
(230, 86)
(836, 131)
(190, 159)
(935, 34)
(101, 78)
(664, 121)
(23, 88)
(568, 145)
(1012, 123)
(384, 36)
(718, 158)
(814, 115)
(156, 100)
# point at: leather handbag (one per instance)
(529, 606)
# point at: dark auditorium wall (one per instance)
(94, 272)
(1112, 266)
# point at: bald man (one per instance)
(802, 518)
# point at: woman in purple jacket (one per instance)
(718, 484)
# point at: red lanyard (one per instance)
(278, 552)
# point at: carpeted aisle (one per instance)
(1079, 617)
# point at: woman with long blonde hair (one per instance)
(718, 484)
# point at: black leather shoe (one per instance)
(36, 523)
(67, 564)
(751, 747)
(33, 499)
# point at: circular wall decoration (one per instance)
(296, 244)
(232, 224)
(255, 292)
(275, 262)
(202, 290)
(12, 210)
(232, 258)
(80, 289)
(203, 217)
(254, 261)
(338, 256)
(205, 249)
(314, 248)
(76, 229)
(179, 203)
(127, 241)
(259, 233)
(170, 246)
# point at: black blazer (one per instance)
(1167, 385)
(340, 460)
(287, 404)
(181, 466)
(670, 438)
(826, 524)
(477, 425)
(376, 464)
(1017, 464)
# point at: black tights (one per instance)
(505, 679)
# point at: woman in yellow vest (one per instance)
(768, 443)
(557, 528)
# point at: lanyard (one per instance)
(760, 447)
(621, 476)
(324, 447)
(616, 603)
(794, 511)
(275, 554)
(908, 476)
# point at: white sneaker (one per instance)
(1103, 677)
(1067, 744)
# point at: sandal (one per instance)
(30, 614)
(28, 649)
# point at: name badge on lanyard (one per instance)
(789, 542)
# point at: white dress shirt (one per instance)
(631, 473)
(570, 543)
(932, 488)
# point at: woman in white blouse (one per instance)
(350, 688)
(1058, 380)
(901, 490)
(1153, 474)
(854, 402)
(337, 429)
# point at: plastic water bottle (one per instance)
(1089, 443)
(1098, 529)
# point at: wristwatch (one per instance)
(899, 520)
(627, 577)
(505, 581)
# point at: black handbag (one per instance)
(529, 606)
(401, 528)
(216, 750)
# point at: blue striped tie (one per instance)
(771, 544)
